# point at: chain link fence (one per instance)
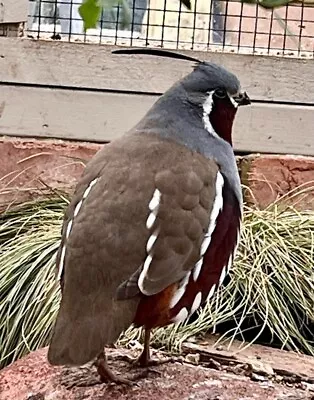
(210, 25)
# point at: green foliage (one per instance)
(271, 284)
(268, 3)
(90, 11)
(272, 4)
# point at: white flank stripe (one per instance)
(180, 291)
(69, 227)
(153, 207)
(151, 220)
(222, 275)
(70, 224)
(181, 316)
(197, 302)
(61, 262)
(89, 188)
(77, 208)
(146, 265)
(205, 243)
(151, 241)
(238, 240)
(197, 269)
(217, 206)
(155, 201)
(147, 262)
(230, 263)
(211, 292)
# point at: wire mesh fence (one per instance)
(211, 25)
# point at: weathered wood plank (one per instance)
(26, 111)
(93, 66)
(13, 11)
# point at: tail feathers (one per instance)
(78, 341)
(75, 343)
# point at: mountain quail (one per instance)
(153, 225)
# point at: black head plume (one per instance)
(158, 53)
(187, 3)
(205, 78)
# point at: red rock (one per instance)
(33, 378)
(29, 166)
(273, 177)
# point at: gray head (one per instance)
(215, 93)
(207, 98)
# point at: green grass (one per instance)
(271, 287)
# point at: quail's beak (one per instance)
(242, 99)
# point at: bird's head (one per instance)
(216, 94)
(210, 96)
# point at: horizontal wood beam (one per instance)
(93, 66)
(100, 117)
(13, 11)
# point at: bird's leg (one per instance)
(144, 359)
(106, 375)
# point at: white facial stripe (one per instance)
(181, 316)
(234, 103)
(207, 108)
(180, 291)
(197, 302)
(70, 225)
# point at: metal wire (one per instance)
(211, 25)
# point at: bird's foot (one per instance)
(107, 376)
(143, 362)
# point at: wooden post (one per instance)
(13, 16)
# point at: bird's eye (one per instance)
(220, 93)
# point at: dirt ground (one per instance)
(200, 374)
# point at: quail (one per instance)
(154, 223)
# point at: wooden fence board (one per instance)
(13, 11)
(93, 66)
(94, 116)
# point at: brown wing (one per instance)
(186, 193)
(106, 236)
